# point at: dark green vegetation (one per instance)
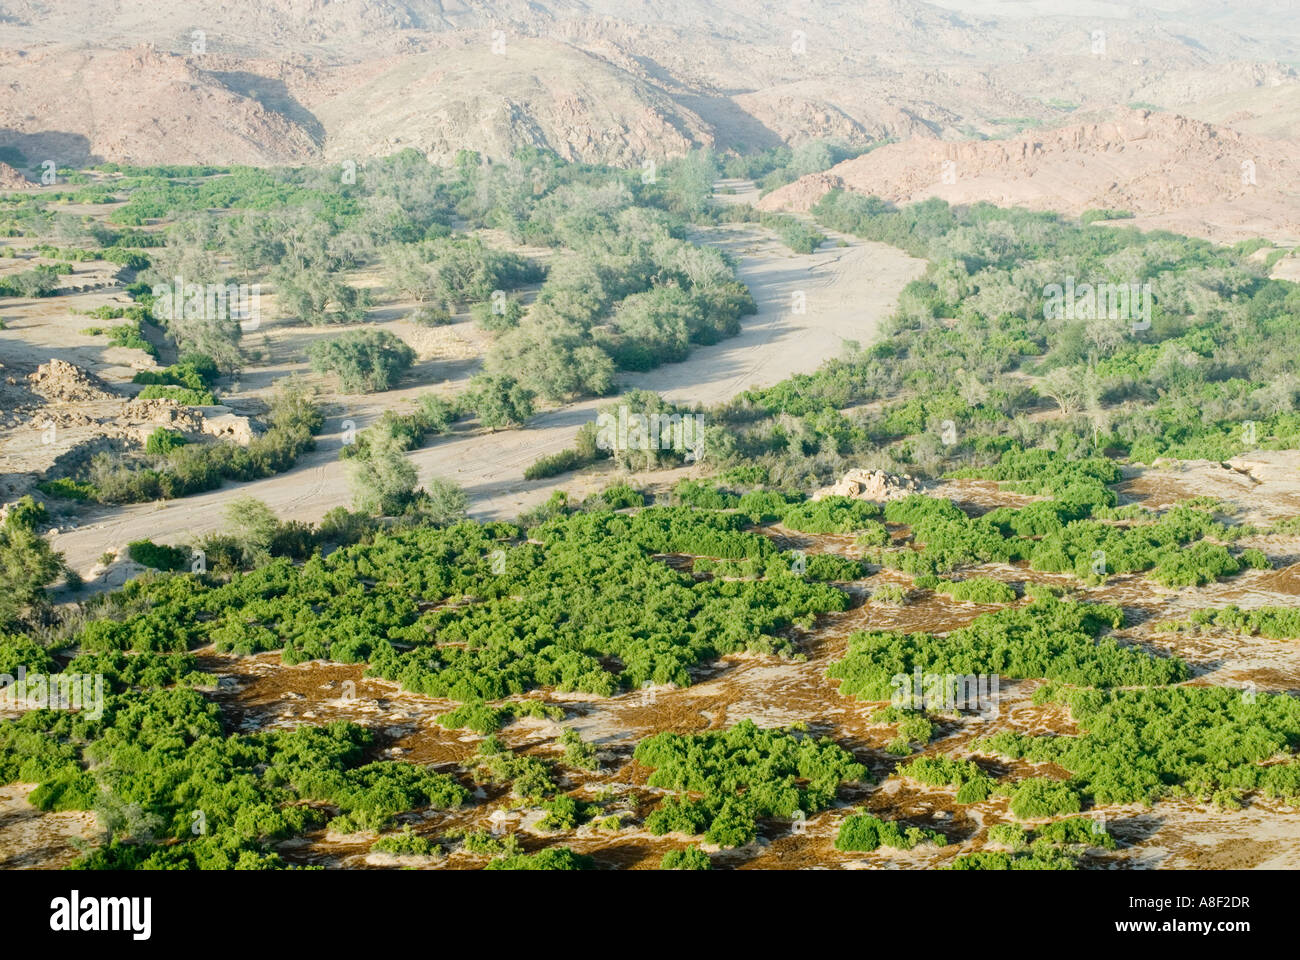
(1037, 797)
(727, 780)
(1057, 639)
(483, 718)
(602, 600)
(161, 760)
(405, 844)
(1088, 538)
(830, 515)
(624, 289)
(1141, 745)
(690, 858)
(972, 783)
(1275, 623)
(194, 373)
(150, 554)
(480, 614)
(1057, 845)
(978, 590)
(175, 789)
(552, 858)
(588, 588)
(862, 833)
(1078, 531)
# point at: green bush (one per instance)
(1055, 639)
(1037, 797)
(1011, 835)
(182, 395)
(973, 784)
(689, 858)
(863, 833)
(831, 515)
(163, 441)
(160, 557)
(67, 488)
(405, 843)
(365, 360)
(552, 858)
(725, 780)
(984, 590)
(1141, 745)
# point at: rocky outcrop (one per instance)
(224, 424)
(141, 105)
(871, 485)
(11, 179)
(63, 382)
(1194, 176)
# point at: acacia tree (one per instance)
(690, 181)
(27, 564)
(365, 360)
(383, 482)
(443, 502)
(1063, 386)
(318, 296)
(499, 400)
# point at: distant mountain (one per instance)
(288, 81)
(1169, 170)
(139, 105)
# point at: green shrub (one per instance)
(476, 716)
(1011, 835)
(973, 784)
(163, 441)
(404, 844)
(863, 833)
(983, 590)
(1049, 638)
(365, 360)
(1037, 797)
(182, 395)
(67, 488)
(708, 771)
(552, 858)
(689, 858)
(160, 557)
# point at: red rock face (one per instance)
(139, 106)
(1203, 178)
(11, 179)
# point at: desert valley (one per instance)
(673, 435)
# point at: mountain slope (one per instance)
(138, 106)
(537, 93)
(1170, 170)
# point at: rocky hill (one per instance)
(1167, 169)
(11, 179)
(287, 81)
(141, 105)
